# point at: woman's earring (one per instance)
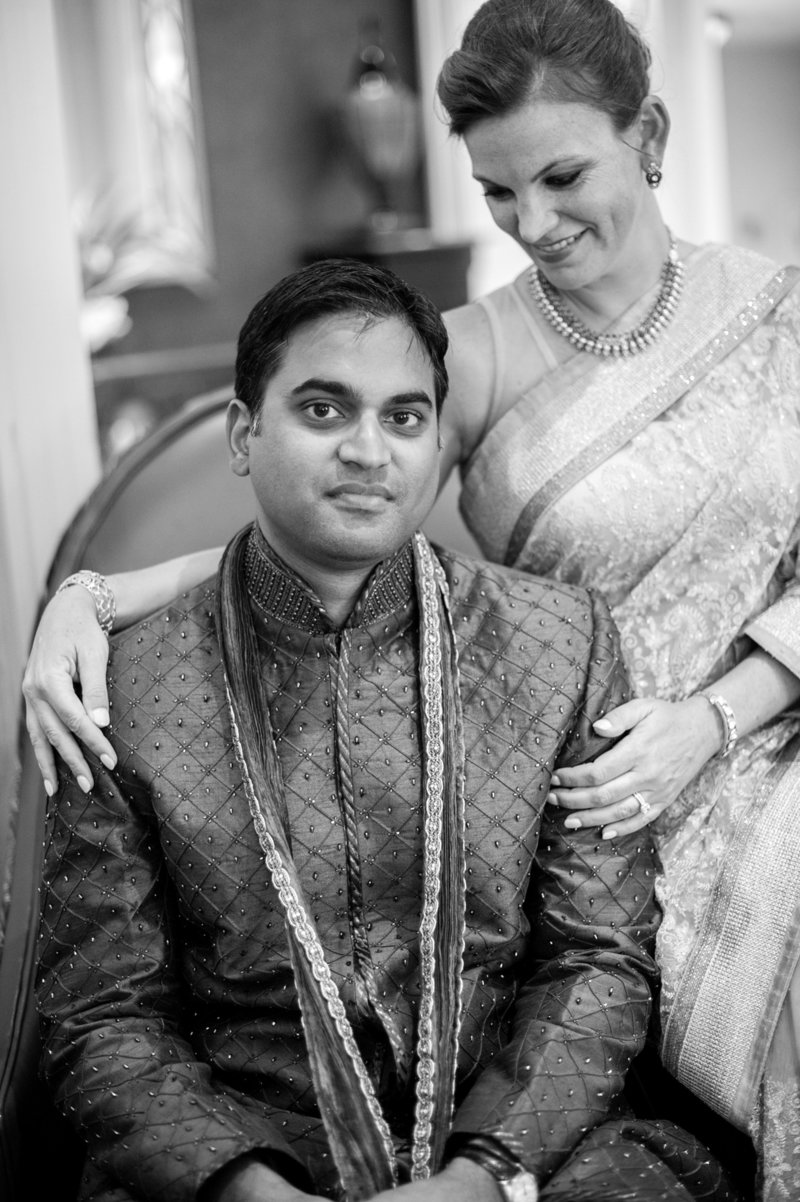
(653, 174)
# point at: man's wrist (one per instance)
(246, 1179)
(513, 1180)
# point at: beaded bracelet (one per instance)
(728, 719)
(104, 600)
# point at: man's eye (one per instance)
(321, 410)
(406, 418)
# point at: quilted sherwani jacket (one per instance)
(173, 1038)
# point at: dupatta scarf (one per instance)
(359, 1136)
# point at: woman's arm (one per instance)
(471, 367)
(666, 744)
(70, 648)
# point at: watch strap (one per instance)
(516, 1184)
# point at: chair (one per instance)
(172, 493)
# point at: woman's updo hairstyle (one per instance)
(557, 50)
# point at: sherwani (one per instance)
(172, 1032)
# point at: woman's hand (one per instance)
(666, 745)
(68, 647)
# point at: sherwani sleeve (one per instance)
(110, 1003)
(583, 1005)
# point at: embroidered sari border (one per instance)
(602, 398)
(723, 1018)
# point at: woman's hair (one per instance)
(562, 50)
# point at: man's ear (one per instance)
(653, 128)
(239, 423)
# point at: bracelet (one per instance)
(104, 599)
(730, 730)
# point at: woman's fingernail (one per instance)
(602, 724)
(609, 834)
(572, 824)
(554, 781)
(552, 800)
(49, 788)
(100, 717)
(84, 783)
(109, 761)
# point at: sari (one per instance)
(670, 482)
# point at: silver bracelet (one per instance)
(728, 718)
(104, 599)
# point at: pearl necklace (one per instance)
(572, 328)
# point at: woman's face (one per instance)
(562, 182)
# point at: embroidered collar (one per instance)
(280, 593)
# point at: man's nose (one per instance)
(365, 444)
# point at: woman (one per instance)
(625, 417)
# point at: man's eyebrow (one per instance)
(338, 389)
(318, 384)
(411, 398)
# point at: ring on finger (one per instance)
(644, 806)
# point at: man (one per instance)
(317, 932)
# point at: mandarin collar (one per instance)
(279, 592)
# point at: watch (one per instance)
(515, 1183)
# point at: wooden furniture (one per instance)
(437, 268)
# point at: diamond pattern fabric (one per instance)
(173, 1037)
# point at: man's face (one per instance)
(344, 463)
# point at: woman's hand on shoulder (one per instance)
(68, 646)
(663, 745)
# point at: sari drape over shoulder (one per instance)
(670, 481)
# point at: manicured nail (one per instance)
(100, 717)
(554, 781)
(572, 824)
(49, 788)
(84, 783)
(607, 834)
(602, 724)
(552, 800)
(109, 761)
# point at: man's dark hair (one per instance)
(323, 288)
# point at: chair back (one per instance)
(172, 493)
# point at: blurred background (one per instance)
(163, 162)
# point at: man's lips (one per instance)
(366, 497)
(354, 489)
